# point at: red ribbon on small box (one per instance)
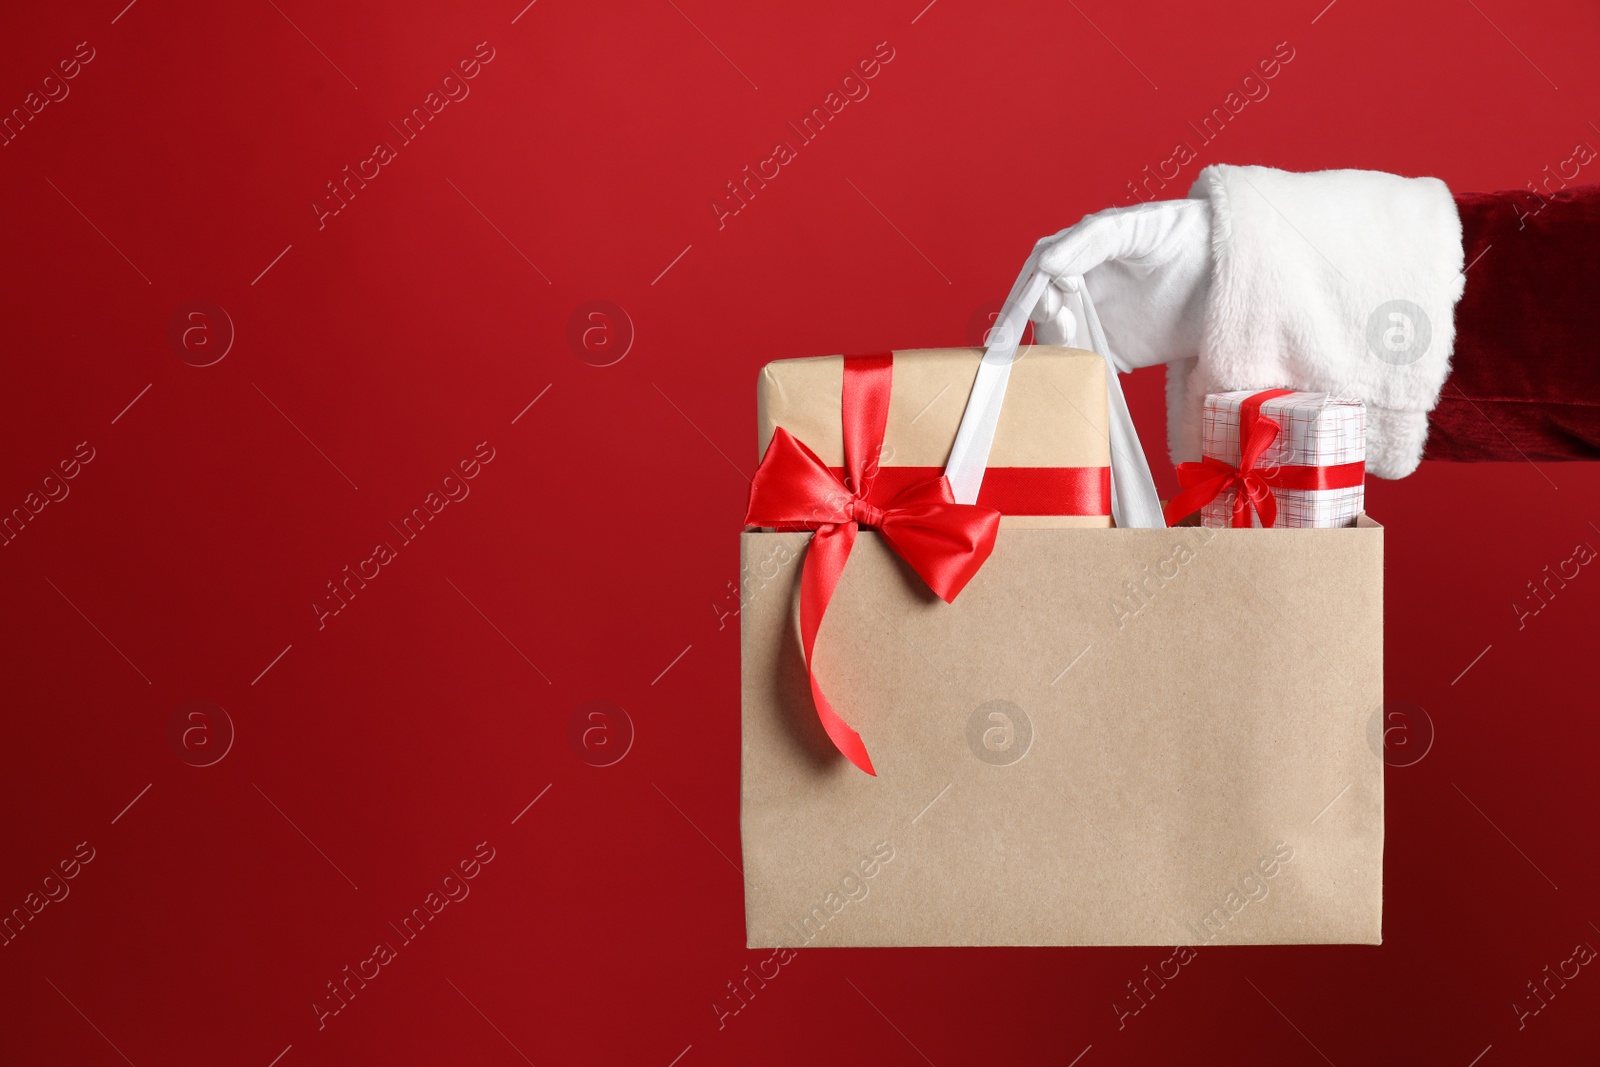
(912, 508)
(1202, 482)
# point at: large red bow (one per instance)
(1202, 481)
(944, 542)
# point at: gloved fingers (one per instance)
(1053, 305)
(1149, 235)
(1079, 249)
(1053, 321)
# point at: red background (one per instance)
(598, 545)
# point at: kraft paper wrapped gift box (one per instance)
(1054, 419)
(1135, 737)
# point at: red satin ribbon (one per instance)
(943, 541)
(1015, 490)
(1203, 481)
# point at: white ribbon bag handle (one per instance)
(1134, 502)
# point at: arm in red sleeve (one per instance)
(1525, 377)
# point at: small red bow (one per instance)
(944, 542)
(1202, 481)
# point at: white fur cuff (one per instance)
(1341, 282)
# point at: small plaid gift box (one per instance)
(1276, 458)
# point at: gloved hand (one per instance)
(1147, 269)
(1269, 279)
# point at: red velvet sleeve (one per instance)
(1525, 378)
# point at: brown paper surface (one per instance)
(1195, 764)
(1054, 413)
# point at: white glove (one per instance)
(1147, 269)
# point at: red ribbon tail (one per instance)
(819, 577)
(1241, 511)
(1201, 483)
(1265, 502)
